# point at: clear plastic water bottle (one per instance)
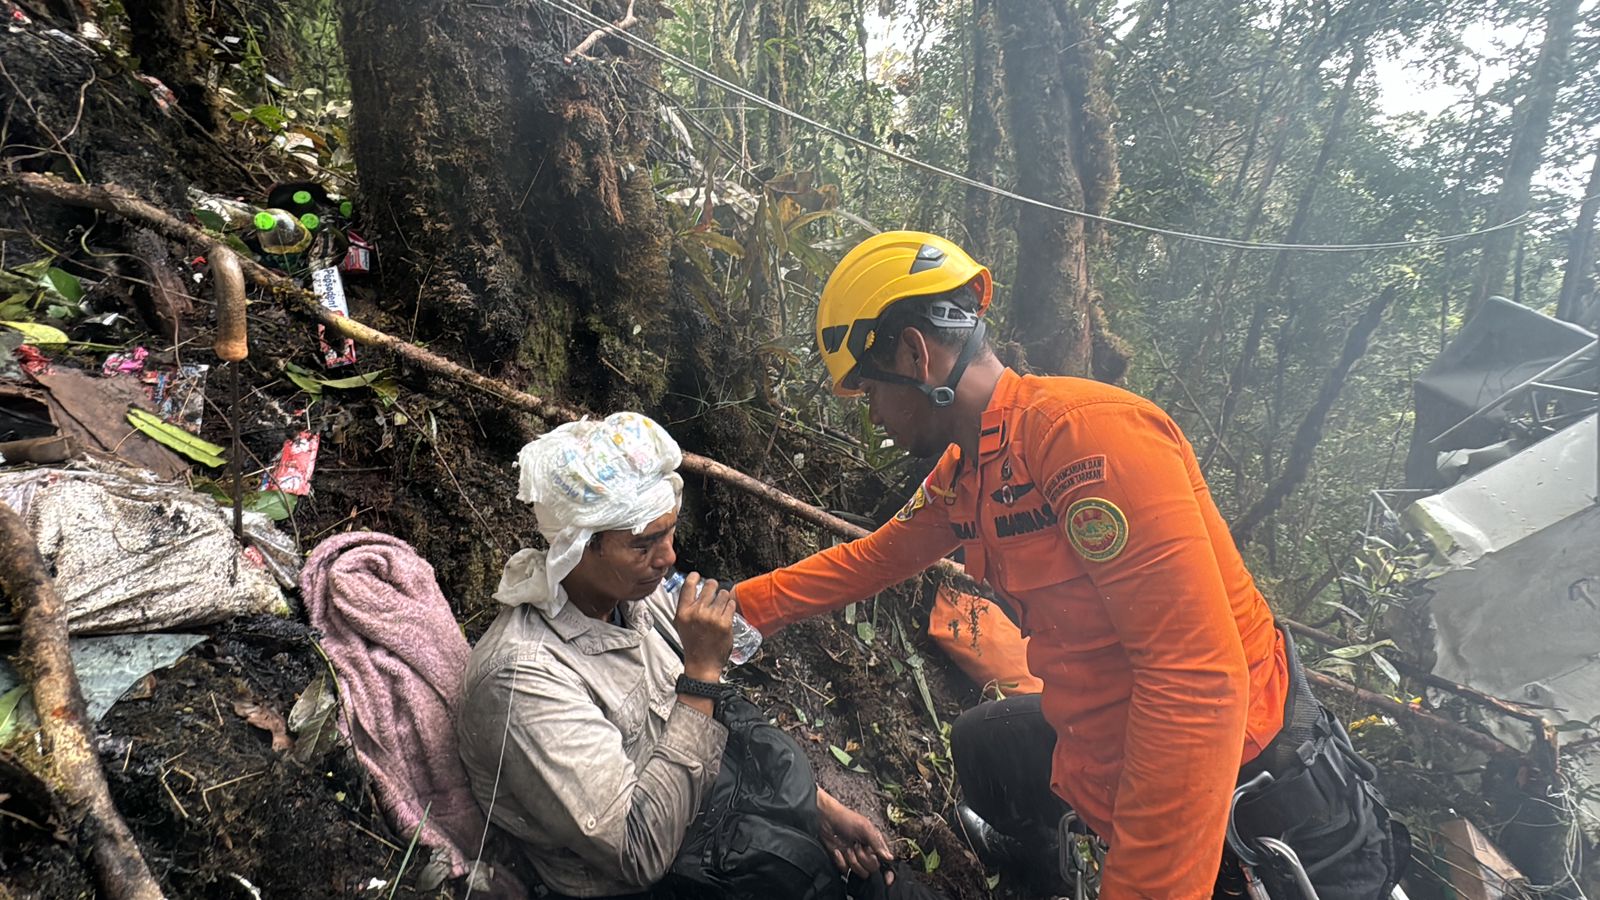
(746, 639)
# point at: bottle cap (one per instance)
(346, 208)
(310, 221)
(302, 197)
(265, 221)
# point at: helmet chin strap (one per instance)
(944, 394)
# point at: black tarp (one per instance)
(1500, 347)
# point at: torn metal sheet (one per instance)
(1512, 500)
(107, 666)
(1523, 623)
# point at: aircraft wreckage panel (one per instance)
(1524, 623)
(1494, 509)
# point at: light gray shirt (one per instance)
(575, 743)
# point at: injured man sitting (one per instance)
(595, 726)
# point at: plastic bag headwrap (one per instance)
(615, 474)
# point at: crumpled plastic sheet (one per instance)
(133, 554)
(107, 666)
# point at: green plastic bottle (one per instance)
(280, 233)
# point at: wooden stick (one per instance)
(75, 774)
(115, 200)
(627, 21)
(1514, 710)
(1437, 724)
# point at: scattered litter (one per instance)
(132, 554)
(254, 891)
(163, 96)
(94, 411)
(296, 463)
(109, 666)
(130, 363)
(1478, 870)
(359, 256)
(268, 720)
(197, 449)
(330, 290)
(33, 361)
(220, 214)
(178, 393)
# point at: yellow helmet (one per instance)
(877, 273)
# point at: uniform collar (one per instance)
(994, 429)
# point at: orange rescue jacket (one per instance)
(1163, 672)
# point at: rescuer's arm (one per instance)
(1134, 518)
(917, 537)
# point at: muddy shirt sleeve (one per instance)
(917, 537)
(1122, 477)
(565, 762)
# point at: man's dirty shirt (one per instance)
(1086, 512)
(603, 769)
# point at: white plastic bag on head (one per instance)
(616, 474)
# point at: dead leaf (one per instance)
(267, 720)
(314, 721)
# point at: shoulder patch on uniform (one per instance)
(918, 500)
(1089, 470)
(1097, 529)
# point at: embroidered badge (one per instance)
(949, 497)
(1089, 470)
(1097, 529)
(918, 500)
(1009, 494)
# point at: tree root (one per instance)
(74, 774)
(113, 199)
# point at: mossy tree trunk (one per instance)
(508, 189)
(1061, 113)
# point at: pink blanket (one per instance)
(400, 658)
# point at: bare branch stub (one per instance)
(627, 21)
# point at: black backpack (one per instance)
(756, 833)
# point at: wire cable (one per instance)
(670, 58)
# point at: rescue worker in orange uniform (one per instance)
(1083, 508)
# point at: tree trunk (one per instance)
(517, 218)
(1060, 113)
(772, 52)
(983, 130)
(1580, 249)
(1527, 149)
(1309, 434)
(166, 38)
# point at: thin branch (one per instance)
(627, 21)
(1475, 740)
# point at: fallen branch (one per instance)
(627, 21)
(115, 200)
(1439, 725)
(1406, 666)
(74, 774)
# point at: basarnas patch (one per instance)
(1097, 529)
(918, 500)
(1089, 470)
